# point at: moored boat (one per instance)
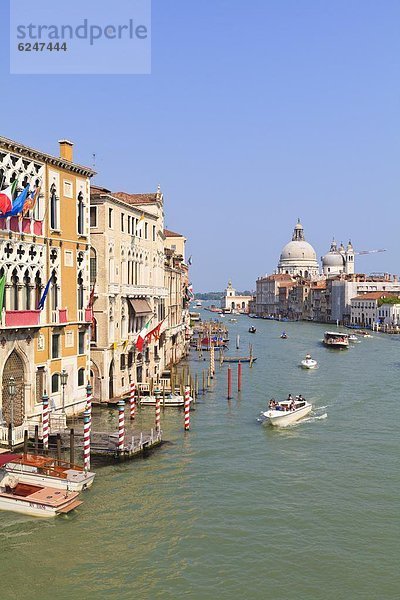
(238, 359)
(44, 470)
(287, 412)
(336, 339)
(171, 400)
(34, 500)
(309, 363)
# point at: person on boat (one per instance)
(308, 356)
(272, 403)
(290, 398)
(300, 397)
(292, 405)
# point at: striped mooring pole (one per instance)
(212, 361)
(89, 399)
(187, 408)
(45, 421)
(121, 425)
(132, 400)
(86, 440)
(158, 410)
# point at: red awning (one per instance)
(6, 458)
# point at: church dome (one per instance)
(298, 257)
(332, 259)
(300, 250)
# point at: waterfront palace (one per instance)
(82, 271)
(299, 290)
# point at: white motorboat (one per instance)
(309, 363)
(171, 400)
(34, 500)
(353, 338)
(287, 412)
(44, 470)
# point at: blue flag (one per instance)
(18, 204)
(44, 295)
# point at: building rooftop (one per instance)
(152, 198)
(169, 233)
(375, 296)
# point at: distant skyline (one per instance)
(255, 114)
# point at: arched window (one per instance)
(27, 290)
(53, 207)
(93, 265)
(81, 377)
(80, 291)
(55, 383)
(38, 289)
(54, 292)
(14, 290)
(81, 214)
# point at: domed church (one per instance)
(298, 257)
(338, 260)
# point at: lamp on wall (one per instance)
(63, 379)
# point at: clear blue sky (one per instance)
(256, 112)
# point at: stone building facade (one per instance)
(47, 246)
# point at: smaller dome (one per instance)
(332, 259)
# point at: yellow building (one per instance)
(49, 245)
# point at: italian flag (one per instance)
(142, 336)
(6, 198)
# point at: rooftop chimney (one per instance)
(66, 151)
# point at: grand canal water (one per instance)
(233, 510)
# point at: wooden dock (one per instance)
(106, 444)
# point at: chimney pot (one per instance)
(66, 150)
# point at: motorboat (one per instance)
(169, 400)
(232, 320)
(252, 329)
(353, 338)
(44, 470)
(284, 335)
(336, 339)
(287, 412)
(364, 334)
(34, 500)
(309, 363)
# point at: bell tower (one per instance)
(349, 259)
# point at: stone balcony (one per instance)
(21, 318)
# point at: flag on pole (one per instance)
(6, 197)
(2, 286)
(139, 226)
(18, 204)
(189, 260)
(142, 335)
(91, 297)
(30, 202)
(154, 333)
(44, 295)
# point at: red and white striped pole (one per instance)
(212, 361)
(86, 440)
(121, 425)
(187, 408)
(89, 399)
(132, 400)
(158, 410)
(45, 421)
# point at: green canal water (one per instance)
(235, 510)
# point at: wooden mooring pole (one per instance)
(239, 377)
(72, 446)
(229, 383)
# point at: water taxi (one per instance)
(44, 470)
(309, 363)
(287, 412)
(336, 339)
(34, 500)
